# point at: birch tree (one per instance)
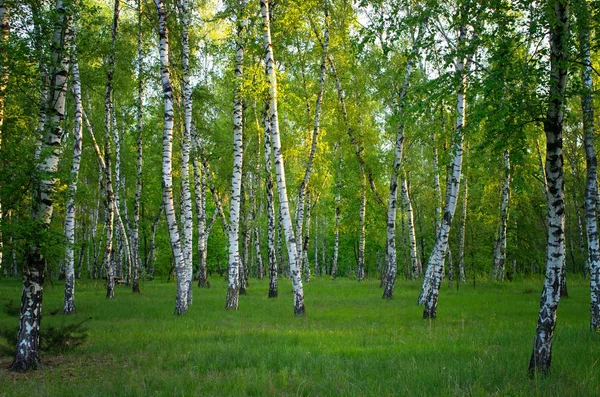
(233, 289)
(295, 274)
(181, 301)
(390, 252)
(270, 205)
(69, 301)
(435, 265)
(415, 263)
(500, 249)
(186, 212)
(135, 281)
(44, 186)
(109, 202)
(558, 18)
(591, 185)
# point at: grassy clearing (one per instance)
(352, 343)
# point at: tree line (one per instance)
(359, 129)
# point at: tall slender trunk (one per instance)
(44, 186)
(135, 282)
(200, 194)
(181, 304)
(188, 226)
(338, 197)
(119, 234)
(233, 289)
(360, 268)
(316, 246)
(306, 240)
(297, 288)
(435, 266)
(541, 356)
(576, 202)
(149, 265)
(591, 186)
(500, 251)
(69, 301)
(390, 252)
(300, 204)
(463, 225)
(109, 204)
(272, 259)
(415, 268)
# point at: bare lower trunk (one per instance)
(135, 280)
(500, 251)
(44, 187)
(360, 269)
(541, 357)
(236, 179)
(181, 305)
(435, 266)
(463, 227)
(69, 301)
(188, 226)
(338, 193)
(297, 288)
(591, 186)
(5, 30)
(272, 260)
(415, 268)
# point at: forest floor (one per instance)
(351, 343)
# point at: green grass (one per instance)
(352, 343)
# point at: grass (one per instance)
(351, 343)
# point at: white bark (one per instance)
(181, 305)
(300, 204)
(69, 301)
(591, 188)
(463, 226)
(135, 282)
(188, 226)
(298, 291)
(28, 336)
(500, 250)
(271, 257)
(338, 194)
(233, 289)
(435, 266)
(360, 271)
(415, 268)
(109, 203)
(541, 355)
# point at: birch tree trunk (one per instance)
(500, 251)
(233, 289)
(306, 240)
(313, 148)
(541, 357)
(109, 202)
(181, 304)
(297, 288)
(338, 197)
(390, 252)
(272, 259)
(360, 269)
(69, 301)
(152, 251)
(435, 266)
(188, 226)
(463, 226)
(135, 282)
(44, 186)
(591, 186)
(200, 193)
(415, 268)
